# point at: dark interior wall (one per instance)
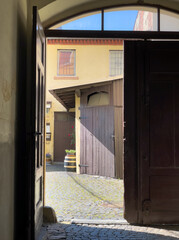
(13, 53)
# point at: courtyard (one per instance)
(74, 196)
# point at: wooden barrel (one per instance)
(70, 163)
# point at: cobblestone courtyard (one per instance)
(83, 196)
(110, 232)
(90, 197)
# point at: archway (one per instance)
(166, 35)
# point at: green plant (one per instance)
(71, 151)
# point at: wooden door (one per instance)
(118, 127)
(38, 80)
(159, 143)
(155, 137)
(64, 125)
(97, 141)
(86, 141)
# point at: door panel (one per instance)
(131, 118)
(38, 93)
(97, 142)
(176, 112)
(153, 147)
(86, 141)
(118, 88)
(161, 78)
(161, 124)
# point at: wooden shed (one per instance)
(101, 126)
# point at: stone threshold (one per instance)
(99, 221)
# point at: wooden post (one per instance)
(77, 129)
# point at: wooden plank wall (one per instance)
(86, 141)
(85, 92)
(97, 129)
(97, 144)
(118, 126)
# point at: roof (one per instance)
(66, 96)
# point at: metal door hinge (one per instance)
(113, 136)
(38, 134)
(82, 117)
(83, 165)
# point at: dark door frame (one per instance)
(124, 35)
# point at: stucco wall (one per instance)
(10, 11)
(92, 66)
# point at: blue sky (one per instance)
(116, 20)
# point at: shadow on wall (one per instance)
(21, 163)
(98, 126)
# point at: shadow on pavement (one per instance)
(93, 193)
(55, 167)
(115, 232)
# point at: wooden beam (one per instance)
(80, 87)
(78, 92)
(111, 34)
(59, 99)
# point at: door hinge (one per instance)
(146, 207)
(113, 136)
(82, 118)
(83, 165)
(38, 134)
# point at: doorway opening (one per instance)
(85, 92)
(88, 123)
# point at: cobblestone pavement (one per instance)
(83, 196)
(92, 197)
(110, 232)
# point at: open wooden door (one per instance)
(152, 132)
(38, 100)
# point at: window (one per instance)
(131, 18)
(89, 21)
(98, 99)
(116, 62)
(48, 133)
(66, 63)
(48, 106)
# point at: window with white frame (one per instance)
(116, 62)
(48, 106)
(66, 62)
(48, 132)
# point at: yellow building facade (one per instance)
(92, 60)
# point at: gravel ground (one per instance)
(83, 196)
